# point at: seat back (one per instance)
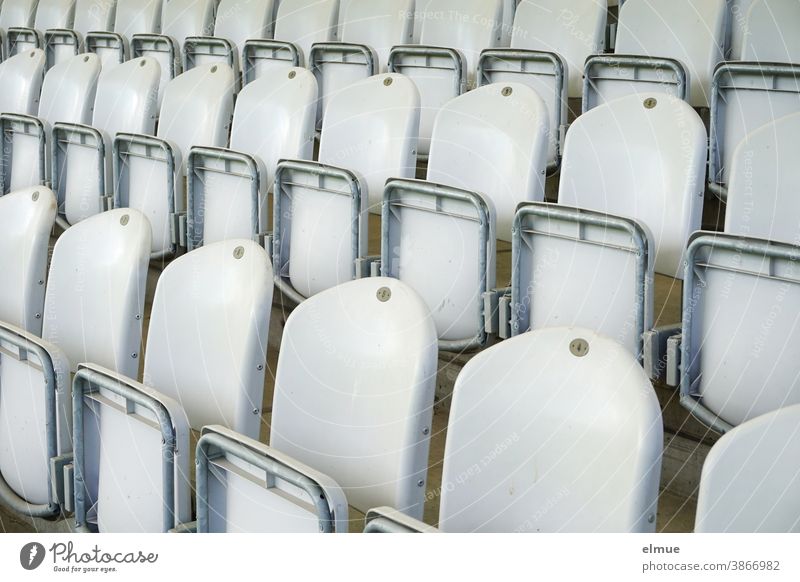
(573, 29)
(371, 129)
(126, 101)
(764, 181)
(750, 481)
(26, 218)
(96, 288)
(378, 24)
(466, 25)
(244, 486)
(274, 118)
(94, 16)
(203, 93)
(771, 33)
(494, 141)
(305, 22)
(69, 89)
(212, 308)
(17, 13)
(138, 17)
(21, 78)
(54, 14)
(643, 157)
(556, 430)
(241, 20)
(737, 362)
(182, 18)
(354, 391)
(693, 33)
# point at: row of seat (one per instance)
(351, 415)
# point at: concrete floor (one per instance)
(687, 441)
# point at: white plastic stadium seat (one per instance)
(131, 17)
(49, 14)
(205, 363)
(369, 29)
(642, 157)
(488, 154)
(550, 43)
(227, 188)
(320, 218)
(771, 32)
(179, 19)
(149, 171)
(93, 311)
(661, 45)
(764, 181)
(299, 24)
(361, 412)
(90, 16)
(751, 481)
(244, 486)
(578, 267)
(746, 96)
(21, 78)
(454, 32)
(125, 102)
(736, 340)
(26, 218)
(530, 445)
(237, 21)
(68, 94)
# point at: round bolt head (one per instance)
(651, 518)
(388, 81)
(292, 74)
(426, 431)
(214, 69)
(579, 347)
(124, 219)
(86, 59)
(384, 294)
(650, 103)
(507, 91)
(238, 252)
(35, 196)
(142, 63)
(420, 483)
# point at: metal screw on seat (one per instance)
(507, 91)
(124, 219)
(387, 81)
(579, 347)
(35, 196)
(650, 102)
(238, 252)
(292, 74)
(384, 294)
